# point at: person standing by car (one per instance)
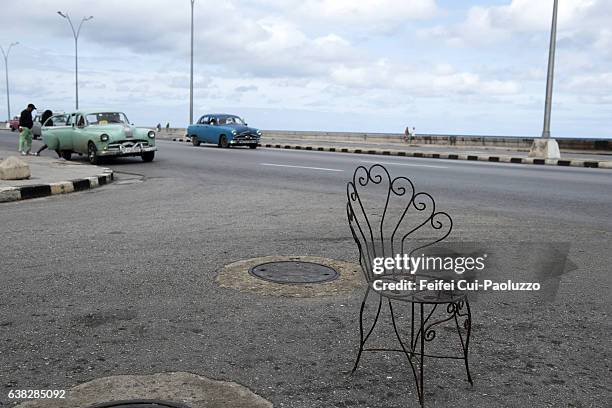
(46, 121)
(25, 130)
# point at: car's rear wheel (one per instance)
(253, 146)
(195, 141)
(66, 154)
(148, 156)
(223, 142)
(92, 153)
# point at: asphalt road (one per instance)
(120, 280)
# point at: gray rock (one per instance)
(13, 168)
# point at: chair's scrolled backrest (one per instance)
(389, 217)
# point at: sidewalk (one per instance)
(50, 177)
(491, 150)
(476, 153)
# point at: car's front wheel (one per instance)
(92, 153)
(195, 141)
(148, 157)
(66, 154)
(223, 142)
(253, 146)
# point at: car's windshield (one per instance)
(106, 118)
(57, 120)
(230, 120)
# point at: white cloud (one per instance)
(491, 24)
(369, 11)
(360, 58)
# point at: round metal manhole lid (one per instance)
(140, 404)
(294, 272)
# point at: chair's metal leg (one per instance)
(468, 327)
(375, 319)
(409, 354)
(412, 325)
(422, 358)
(361, 342)
(363, 339)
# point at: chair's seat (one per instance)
(418, 288)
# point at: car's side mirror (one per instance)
(246, 124)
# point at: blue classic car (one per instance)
(224, 131)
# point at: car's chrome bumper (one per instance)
(135, 149)
(244, 141)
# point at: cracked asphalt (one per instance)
(120, 280)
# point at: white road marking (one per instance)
(405, 164)
(298, 167)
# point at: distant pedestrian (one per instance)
(167, 126)
(407, 134)
(25, 130)
(158, 127)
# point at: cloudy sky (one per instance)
(443, 66)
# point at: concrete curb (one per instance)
(449, 156)
(61, 187)
(496, 158)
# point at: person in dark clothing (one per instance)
(25, 130)
(46, 115)
(45, 120)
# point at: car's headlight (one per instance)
(234, 132)
(259, 133)
(151, 134)
(104, 138)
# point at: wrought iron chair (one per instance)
(397, 221)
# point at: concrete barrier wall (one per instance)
(446, 140)
(514, 142)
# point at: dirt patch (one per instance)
(191, 389)
(236, 276)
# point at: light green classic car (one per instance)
(98, 134)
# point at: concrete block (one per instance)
(63, 187)
(9, 194)
(93, 182)
(605, 164)
(13, 168)
(545, 149)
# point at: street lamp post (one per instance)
(191, 74)
(546, 147)
(6, 55)
(76, 51)
(551, 72)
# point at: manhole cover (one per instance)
(139, 404)
(294, 272)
